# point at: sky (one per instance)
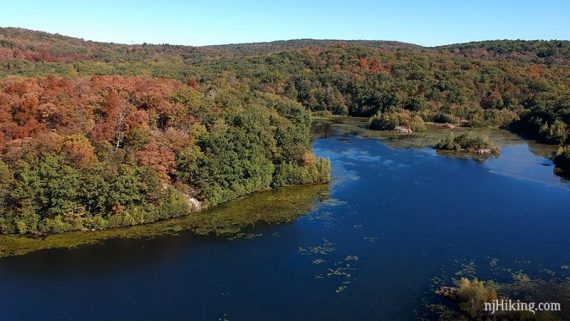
(203, 22)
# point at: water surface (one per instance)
(396, 218)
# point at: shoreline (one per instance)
(228, 219)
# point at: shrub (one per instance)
(562, 159)
(443, 118)
(26, 220)
(173, 204)
(121, 220)
(472, 295)
(292, 174)
(56, 224)
(417, 124)
(391, 120)
(448, 143)
(96, 222)
(466, 142)
(492, 117)
(6, 180)
(383, 121)
(555, 133)
(6, 227)
(416, 103)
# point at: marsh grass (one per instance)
(467, 302)
(430, 137)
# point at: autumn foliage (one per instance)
(92, 152)
(94, 135)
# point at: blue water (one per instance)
(395, 219)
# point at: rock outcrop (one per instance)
(196, 204)
(485, 151)
(403, 130)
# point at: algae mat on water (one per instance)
(271, 207)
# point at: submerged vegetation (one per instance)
(229, 220)
(469, 297)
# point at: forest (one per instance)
(96, 135)
(111, 151)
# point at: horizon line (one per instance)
(271, 41)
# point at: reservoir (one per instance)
(397, 220)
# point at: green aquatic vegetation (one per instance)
(493, 262)
(371, 239)
(341, 268)
(334, 202)
(520, 277)
(340, 288)
(521, 261)
(324, 216)
(341, 271)
(468, 268)
(229, 219)
(549, 272)
(247, 236)
(428, 138)
(224, 318)
(468, 293)
(324, 249)
(351, 258)
(344, 271)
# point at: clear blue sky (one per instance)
(203, 22)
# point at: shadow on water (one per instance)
(106, 257)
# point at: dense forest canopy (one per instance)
(545, 52)
(92, 152)
(97, 134)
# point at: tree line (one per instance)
(150, 125)
(110, 151)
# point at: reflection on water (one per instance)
(518, 161)
(395, 220)
(517, 154)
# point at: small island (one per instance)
(468, 143)
(401, 121)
